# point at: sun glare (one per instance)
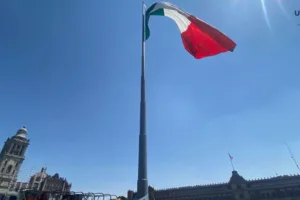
(265, 11)
(263, 5)
(279, 2)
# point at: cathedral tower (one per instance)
(12, 157)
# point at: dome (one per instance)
(22, 132)
(56, 176)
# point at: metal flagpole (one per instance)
(142, 183)
(292, 156)
(231, 158)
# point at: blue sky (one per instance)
(70, 72)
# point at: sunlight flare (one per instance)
(282, 8)
(263, 5)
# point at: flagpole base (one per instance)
(143, 198)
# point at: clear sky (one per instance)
(70, 72)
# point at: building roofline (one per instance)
(212, 185)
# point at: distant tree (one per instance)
(122, 198)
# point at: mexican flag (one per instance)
(199, 38)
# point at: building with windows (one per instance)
(12, 157)
(44, 182)
(238, 188)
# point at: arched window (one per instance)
(5, 162)
(9, 168)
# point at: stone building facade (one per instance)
(44, 182)
(36, 181)
(12, 157)
(279, 187)
(54, 183)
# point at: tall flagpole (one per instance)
(142, 183)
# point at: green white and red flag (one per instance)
(199, 38)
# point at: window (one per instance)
(5, 163)
(8, 170)
(2, 170)
(21, 151)
(12, 148)
(241, 196)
